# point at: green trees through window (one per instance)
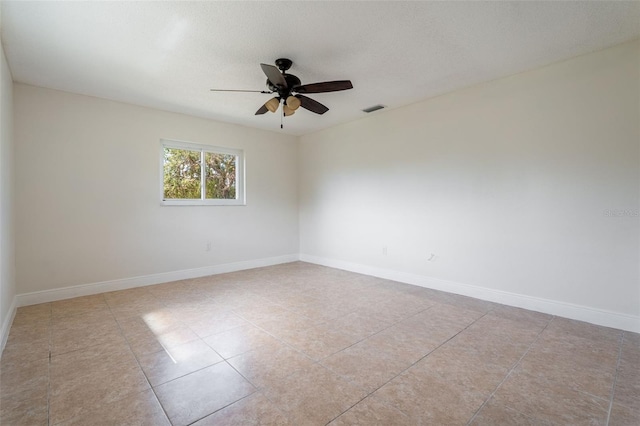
(183, 169)
(220, 180)
(182, 174)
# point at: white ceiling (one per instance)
(168, 55)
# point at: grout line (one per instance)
(228, 405)
(49, 366)
(138, 361)
(509, 373)
(615, 379)
(420, 359)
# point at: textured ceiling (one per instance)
(168, 55)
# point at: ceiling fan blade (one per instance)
(232, 90)
(326, 86)
(274, 75)
(311, 105)
(263, 109)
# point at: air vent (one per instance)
(373, 108)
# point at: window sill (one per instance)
(203, 203)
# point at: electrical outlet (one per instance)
(208, 246)
(384, 250)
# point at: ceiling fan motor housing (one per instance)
(292, 83)
(283, 64)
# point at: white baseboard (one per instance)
(126, 283)
(6, 324)
(562, 309)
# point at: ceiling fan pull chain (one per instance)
(282, 118)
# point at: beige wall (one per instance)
(87, 193)
(507, 183)
(7, 259)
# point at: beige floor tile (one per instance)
(321, 312)
(366, 365)
(34, 314)
(171, 363)
(371, 412)
(154, 332)
(156, 322)
(624, 416)
(551, 401)
(139, 409)
(17, 376)
(463, 368)
(235, 299)
(90, 317)
(415, 337)
(428, 398)
(199, 394)
(76, 397)
(29, 333)
(316, 342)
(95, 359)
(287, 322)
(86, 380)
(266, 312)
(255, 409)
(25, 351)
(433, 326)
(27, 407)
(208, 325)
(533, 318)
(132, 296)
(494, 414)
(358, 325)
(269, 364)
(313, 396)
(630, 352)
(79, 334)
(595, 381)
(382, 309)
(573, 361)
(468, 303)
(79, 305)
(632, 338)
(189, 311)
(627, 389)
(584, 330)
(494, 340)
(138, 309)
(239, 340)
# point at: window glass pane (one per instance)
(221, 175)
(181, 174)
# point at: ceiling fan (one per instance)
(290, 90)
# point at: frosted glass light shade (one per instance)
(288, 111)
(272, 104)
(293, 102)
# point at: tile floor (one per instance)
(302, 344)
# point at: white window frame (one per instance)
(240, 176)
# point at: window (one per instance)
(195, 174)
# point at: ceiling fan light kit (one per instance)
(290, 88)
(287, 111)
(293, 102)
(272, 104)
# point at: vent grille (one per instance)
(373, 108)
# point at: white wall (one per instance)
(87, 193)
(7, 259)
(506, 182)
